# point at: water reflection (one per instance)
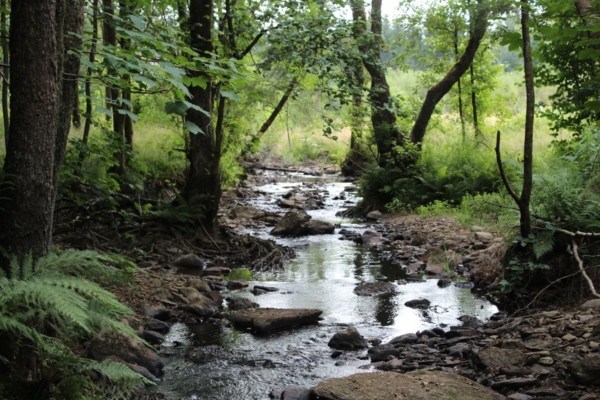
(385, 310)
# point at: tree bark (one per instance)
(71, 40)
(525, 220)
(6, 73)
(383, 118)
(88, 82)
(29, 165)
(479, 23)
(461, 112)
(203, 181)
(474, 103)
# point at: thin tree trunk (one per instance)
(438, 91)
(29, 165)
(88, 83)
(286, 95)
(73, 23)
(474, 103)
(461, 112)
(125, 11)
(6, 73)
(529, 119)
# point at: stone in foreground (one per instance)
(349, 339)
(270, 319)
(391, 385)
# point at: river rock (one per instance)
(492, 357)
(418, 303)
(374, 288)
(198, 304)
(316, 227)
(299, 223)
(586, 371)
(373, 239)
(152, 337)
(136, 368)
(246, 212)
(348, 339)
(234, 285)
(269, 319)
(404, 339)
(391, 385)
(156, 325)
(199, 284)
(594, 304)
(484, 237)
(295, 394)
(374, 216)
(161, 314)
(191, 261)
(126, 348)
(240, 304)
(292, 224)
(383, 352)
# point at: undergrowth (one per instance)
(47, 309)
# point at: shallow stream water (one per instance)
(322, 276)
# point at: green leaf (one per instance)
(131, 115)
(104, 110)
(192, 128)
(138, 22)
(593, 105)
(588, 54)
(144, 79)
(230, 95)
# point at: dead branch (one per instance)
(573, 249)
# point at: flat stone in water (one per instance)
(374, 288)
(391, 385)
(270, 319)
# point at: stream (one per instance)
(323, 276)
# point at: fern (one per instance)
(543, 244)
(47, 308)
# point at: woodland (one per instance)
(125, 120)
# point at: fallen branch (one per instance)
(573, 249)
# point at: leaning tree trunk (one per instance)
(203, 181)
(461, 112)
(5, 73)
(26, 216)
(479, 23)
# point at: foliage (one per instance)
(46, 309)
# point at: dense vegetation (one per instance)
(146, 110)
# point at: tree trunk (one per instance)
(73, 22)
(474, 103)
(88, 82)
(479, 25)
(356, 158)
(383, 117)
(203, 182)
(461, 112)
(26, 217)
(286, 95)
(529, 119)
(6, 73)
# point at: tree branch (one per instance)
(573, 249)
(502, 174)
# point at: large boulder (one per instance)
(299, 223)
(190, 261)
(586, 371)
(391, 385)
(348, 339)
(127, 349)
(240, 303)
(269, 319)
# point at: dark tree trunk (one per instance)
(203, 182)
(356, 157)
(529, 119)
(88, 82)
(72, 40)
(479, 25)
(6, 73)
(26, 217)
(383, 117)
(125, 11)
(474, 103)
(461, 112)
(286, 95)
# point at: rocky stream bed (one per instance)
(378, 309)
